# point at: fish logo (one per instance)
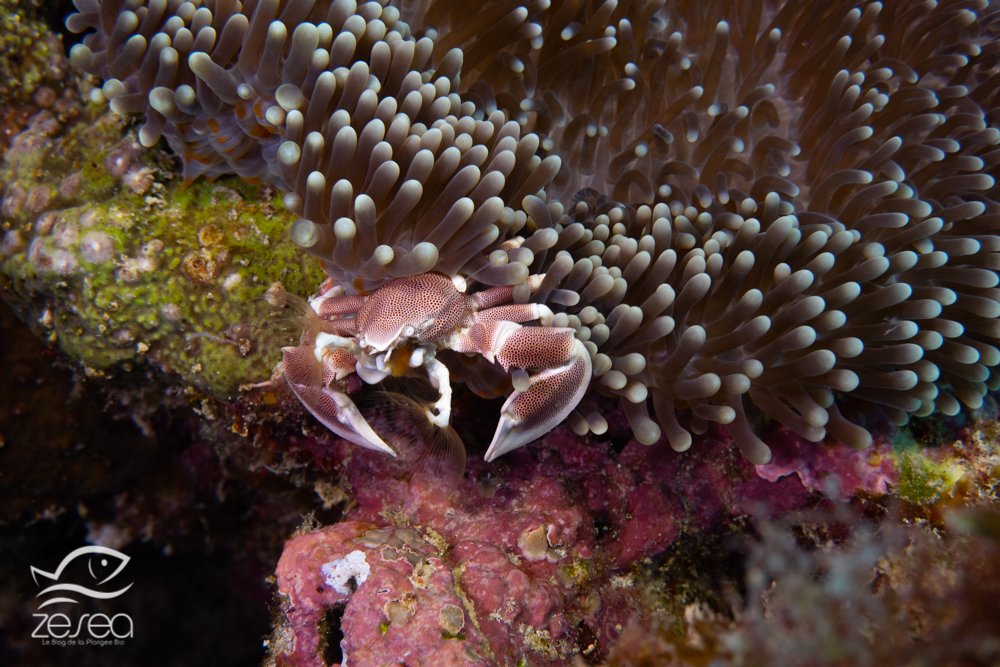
(101, 564)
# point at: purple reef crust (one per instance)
(835, 469)
(529, 557)
(389, 589)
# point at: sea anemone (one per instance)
(781, 202)
(776, 208)
(393, 173)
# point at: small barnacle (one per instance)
(276, 295)
(171, 312)
(118, 161)
(127, 272)
(203, 265)
(534, 544)
(131, 269)
(65, 232)
(210, 235)
(241, 333)
(398, 612)
(451, 619)
(97, 247)
(89, 218)
(223, 194)
(138, 179)
(123, 338)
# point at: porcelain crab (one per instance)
(402, 325)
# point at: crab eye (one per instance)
(408, 330)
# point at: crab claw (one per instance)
(311, 381)
(550, 396)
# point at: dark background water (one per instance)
(73, 462)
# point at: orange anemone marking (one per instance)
(399, 360)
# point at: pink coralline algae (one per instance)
(401, 584)
(529, 560)
(834, 469)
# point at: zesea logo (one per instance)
(88, 572)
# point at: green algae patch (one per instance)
(923, 480)
(124, 266)
(30, 55)
(927, 472)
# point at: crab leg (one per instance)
(311, 373)
(550, 397)
(437, 373)
(559, 372)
